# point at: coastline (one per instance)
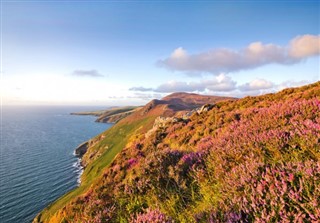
(79, 169)
(78, 152)
(112, 115)
(110, 143)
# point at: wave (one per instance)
(79, 170)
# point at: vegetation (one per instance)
(112, 115)
(118, 136)
(256, 159)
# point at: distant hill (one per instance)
(191, 158)
(112, 115)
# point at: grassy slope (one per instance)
(94, 113)
(117, 138)
(107, 113)
(115, 111)
(113, 116)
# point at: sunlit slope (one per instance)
(255, 159)
(107, 145)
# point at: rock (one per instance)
(163, 122)
(205, 108)
(82, 149)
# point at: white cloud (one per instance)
(146, 96)
(220, 83)
(257, 84)
(291, 83)
(140, 89)
(179, 86)
(304, 46)
(87, 73)
(254, 55)
(179, 53)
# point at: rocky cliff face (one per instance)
(82, 149)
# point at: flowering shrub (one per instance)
(239, 161)
(286, 192)
(131, 162)
(151, 216)
(205, 143)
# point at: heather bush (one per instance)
(285, 192)
(240, 156)
(149, 215)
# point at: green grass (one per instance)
(116, 138)
(115, 111)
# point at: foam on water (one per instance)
(78, 170)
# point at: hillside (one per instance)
(112, 115)
(254, 159)
(105, 147)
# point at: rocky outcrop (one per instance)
(81, 149)
(162, 122)
(205, 108)
(84, 148)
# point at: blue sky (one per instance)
(118, 53)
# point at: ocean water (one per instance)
(37, 164)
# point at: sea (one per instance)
(37, 161)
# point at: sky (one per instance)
(127, 53)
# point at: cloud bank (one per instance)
(257, 84)
(220, 85)
(256, 54)
(86, 73)
(140, 89)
